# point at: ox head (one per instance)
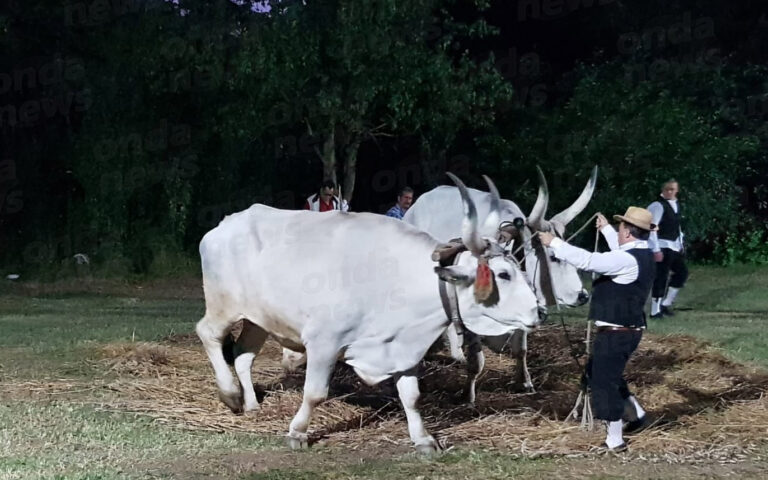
(494, 296)
(565, 279)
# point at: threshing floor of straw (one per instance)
(708, 408)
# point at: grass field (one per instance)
(51, 390)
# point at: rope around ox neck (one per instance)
(536, 234)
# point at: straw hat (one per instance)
(638, 217)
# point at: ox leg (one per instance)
(292, 360)
(243, 365)
(475, 364)
(519, 349)
(320, 363)
(408, 390)
(455, 343)
(250, 342)
(212, 332)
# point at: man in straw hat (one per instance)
(618, 309)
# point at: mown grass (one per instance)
(55, 336)
(70, 441)
(726, 306)
(49, 337)
(460, 464)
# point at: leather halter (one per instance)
(542, 262)
(448, 292)
(545, 277)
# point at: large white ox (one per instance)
(369, 296)
(435, 212)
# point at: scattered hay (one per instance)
(146, 359)
(10, 390)
(710, 408)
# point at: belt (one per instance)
(619, 329)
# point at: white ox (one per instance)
(435, 212)
(368, 296)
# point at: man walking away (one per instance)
(404, 201)
(668, 250)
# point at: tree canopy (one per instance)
(129, 128)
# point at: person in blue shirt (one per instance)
(404, 201)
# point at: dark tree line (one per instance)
(128, 128)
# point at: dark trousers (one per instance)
(674, 262)
(605, 372)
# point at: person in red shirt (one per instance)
(325, 200)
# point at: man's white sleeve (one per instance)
(615, 262)
(657, 211)
(610, 236)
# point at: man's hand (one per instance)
(546, 238)
(658, 256)
(601, 221)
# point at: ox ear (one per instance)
(458, 274)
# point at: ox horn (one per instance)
(536, 217)
(565, 217)
(491, 223)
(469, 234)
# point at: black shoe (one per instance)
(637, 426)
(658, 316)
(667, 311)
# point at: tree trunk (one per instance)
(329, 156)
(433, 167)
(350, 165)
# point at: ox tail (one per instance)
(228, 348)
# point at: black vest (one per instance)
(624, 304)
(669, 226)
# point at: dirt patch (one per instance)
(710, 408)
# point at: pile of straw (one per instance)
(708, 407)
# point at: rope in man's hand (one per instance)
(583, 400)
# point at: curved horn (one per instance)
(580, 204)
(491, 223)
(469, 234)
(539, 209)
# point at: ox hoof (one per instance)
(529, 389)
(232, 400)
(252, 409)
(298, 441)
(429, 447)
(522, 388)
(459, 357)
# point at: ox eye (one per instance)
(504, 276)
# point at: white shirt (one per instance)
(654, 242)
(338, 204)
(620, 265)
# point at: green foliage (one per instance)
(237, 94)
(747, 246)
(639, 136)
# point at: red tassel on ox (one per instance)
(483, 281)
